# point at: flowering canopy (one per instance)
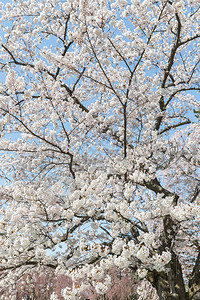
(100, 141)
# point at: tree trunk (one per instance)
(194, 282)
(169, 285)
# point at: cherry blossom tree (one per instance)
(41, 284)
(34, 285)
(99, 120)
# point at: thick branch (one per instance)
(155, 186)
(174, 126)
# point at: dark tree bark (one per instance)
(170, 284)
(194, 282)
